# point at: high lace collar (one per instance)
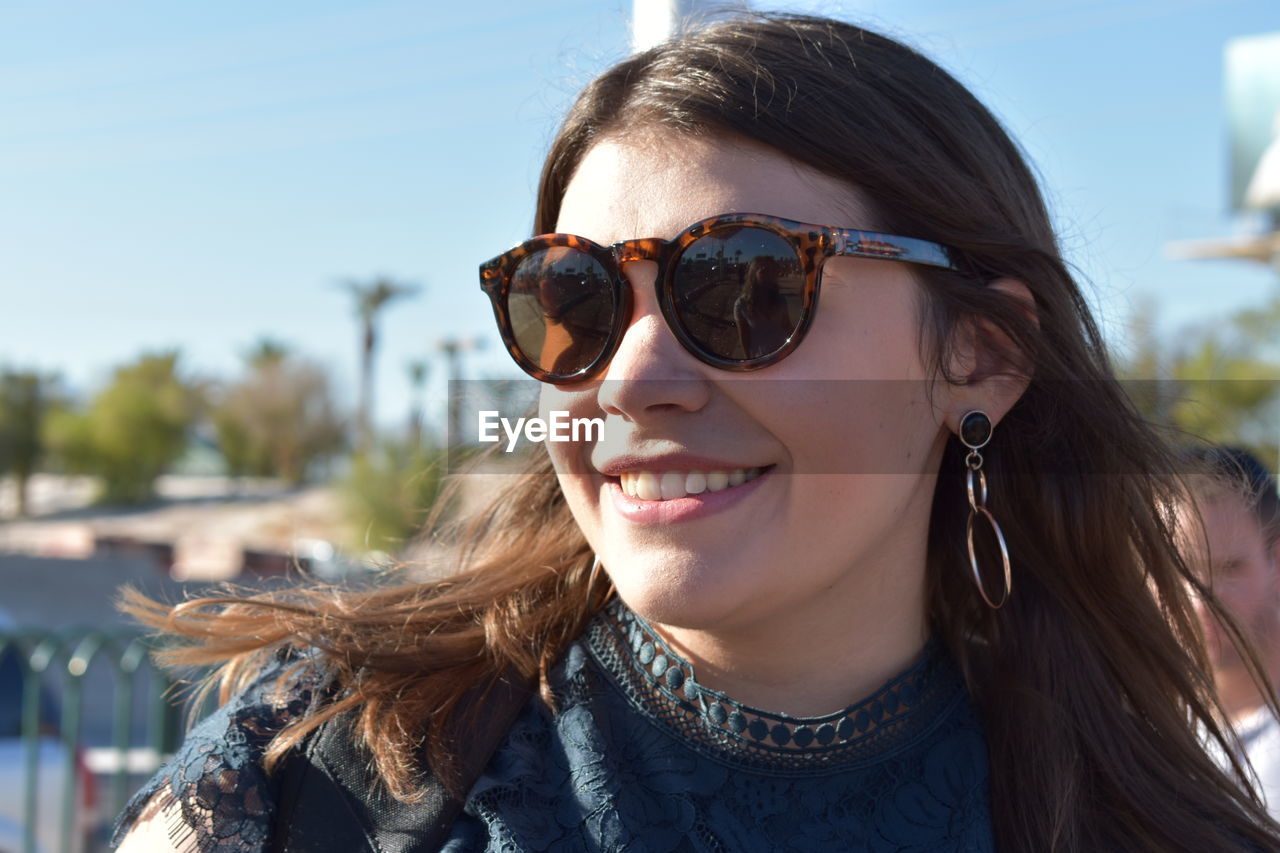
(662, 685)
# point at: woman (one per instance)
(905, 508)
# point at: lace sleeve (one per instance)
(214, 791)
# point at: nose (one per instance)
(650, 371)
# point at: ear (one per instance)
(990, 371)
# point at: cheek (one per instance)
(567, 456)
(867, 326)
(571, 458)
(1241, 595)
(547, 404)
(1259, 586)
(864, 456)
(853, 426)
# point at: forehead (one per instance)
(1230, 524)
(656, 185)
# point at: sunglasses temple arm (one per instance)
(872, 244)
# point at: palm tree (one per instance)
(371, 297)
(419, 370)
(266, 352)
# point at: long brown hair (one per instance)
(1091, 681)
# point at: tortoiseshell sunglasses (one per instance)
(738, 291)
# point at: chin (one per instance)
(680, 594)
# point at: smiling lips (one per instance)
(671, 485)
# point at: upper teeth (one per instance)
(667, 485)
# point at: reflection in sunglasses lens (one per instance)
(561, 309)
(739, 292)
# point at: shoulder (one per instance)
(214, 793)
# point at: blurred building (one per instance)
(1253, 116)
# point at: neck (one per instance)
(822, 655)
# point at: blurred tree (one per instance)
(132, 431)
(419, 370)
(371, 298)
(1219, 382)
(267, 351)
(389, 493)
(25, 398)
(279, 419)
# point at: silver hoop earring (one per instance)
(975, 432)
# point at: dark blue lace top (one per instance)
(639, 757)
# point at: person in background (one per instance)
(1235, 550)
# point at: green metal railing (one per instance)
(61, 662)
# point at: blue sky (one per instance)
(201, 174)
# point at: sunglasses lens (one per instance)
(739, 292)
(561, 309)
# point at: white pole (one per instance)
(656, 21)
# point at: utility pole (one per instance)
(656, 21)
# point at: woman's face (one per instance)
(842, 431)
(1228, 548)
